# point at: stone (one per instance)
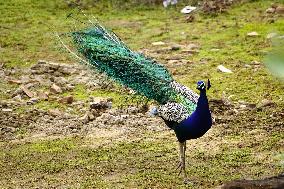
(163, 50)
(99, 103)
(43, 95)
(266, 103)
(158, 43)
(55, 112)
(67, 100)
(223, 69)
(173, 61)
(190, 51)
(55, 89)
(255, 62)
(252, 34)
(214, 50)
(92, 115)
(40, 62)
(279, 10)
(32, 101)
(276, 182)
(17, 97)
(14, 81)
(132, 110)
(61, 81)
(67, 70)
(243, 106)
(192, 46)
(27, 91)
(270, 10)
(175, 47)
(7, 110)
(53, 66)
(85, 118)
(188, 9)
(18, 91)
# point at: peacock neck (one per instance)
(203, 93)
(202, 104)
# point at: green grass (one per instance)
(140, 163)
(247, 147)
(139, 28)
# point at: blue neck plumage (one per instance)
(202, 104)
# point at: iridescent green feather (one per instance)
(108, 54)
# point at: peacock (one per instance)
(182, 110)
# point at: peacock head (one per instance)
(201, 85)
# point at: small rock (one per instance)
(158, 43)
(43, 95)
(163, 50)
(188, 9)
(14, 81)
(175, 47)
(67, 100)
(85, 118)
(279, 10)
(55, 89)
(275, 182)
(271, 35)
(214, 50)
(270, 10)
(27, 91)
(247, 66)
(55, 112)
(17, 98)
(173, 62)
(255, 62)
(223, 69)
(252, 34)
(67, 70)
(190, 51)
(69, 87)
(192, 46)
(7, 110)
(32, 101)
(100, 103)
(174, 57)
(53, 66)
(243, 106)
(41, 62)
(132, 110)
(91, 116)
(266, 103)
(124, 116)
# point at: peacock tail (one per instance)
(105, 52)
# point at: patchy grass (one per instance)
(250, 146)
(146, 161)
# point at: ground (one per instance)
(130, 149)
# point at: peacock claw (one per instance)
(179, 165)
(187, 181)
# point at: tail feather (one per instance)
(108, 54)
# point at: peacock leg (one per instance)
(182, 149)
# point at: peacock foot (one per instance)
(187, 181)
(181, 168)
